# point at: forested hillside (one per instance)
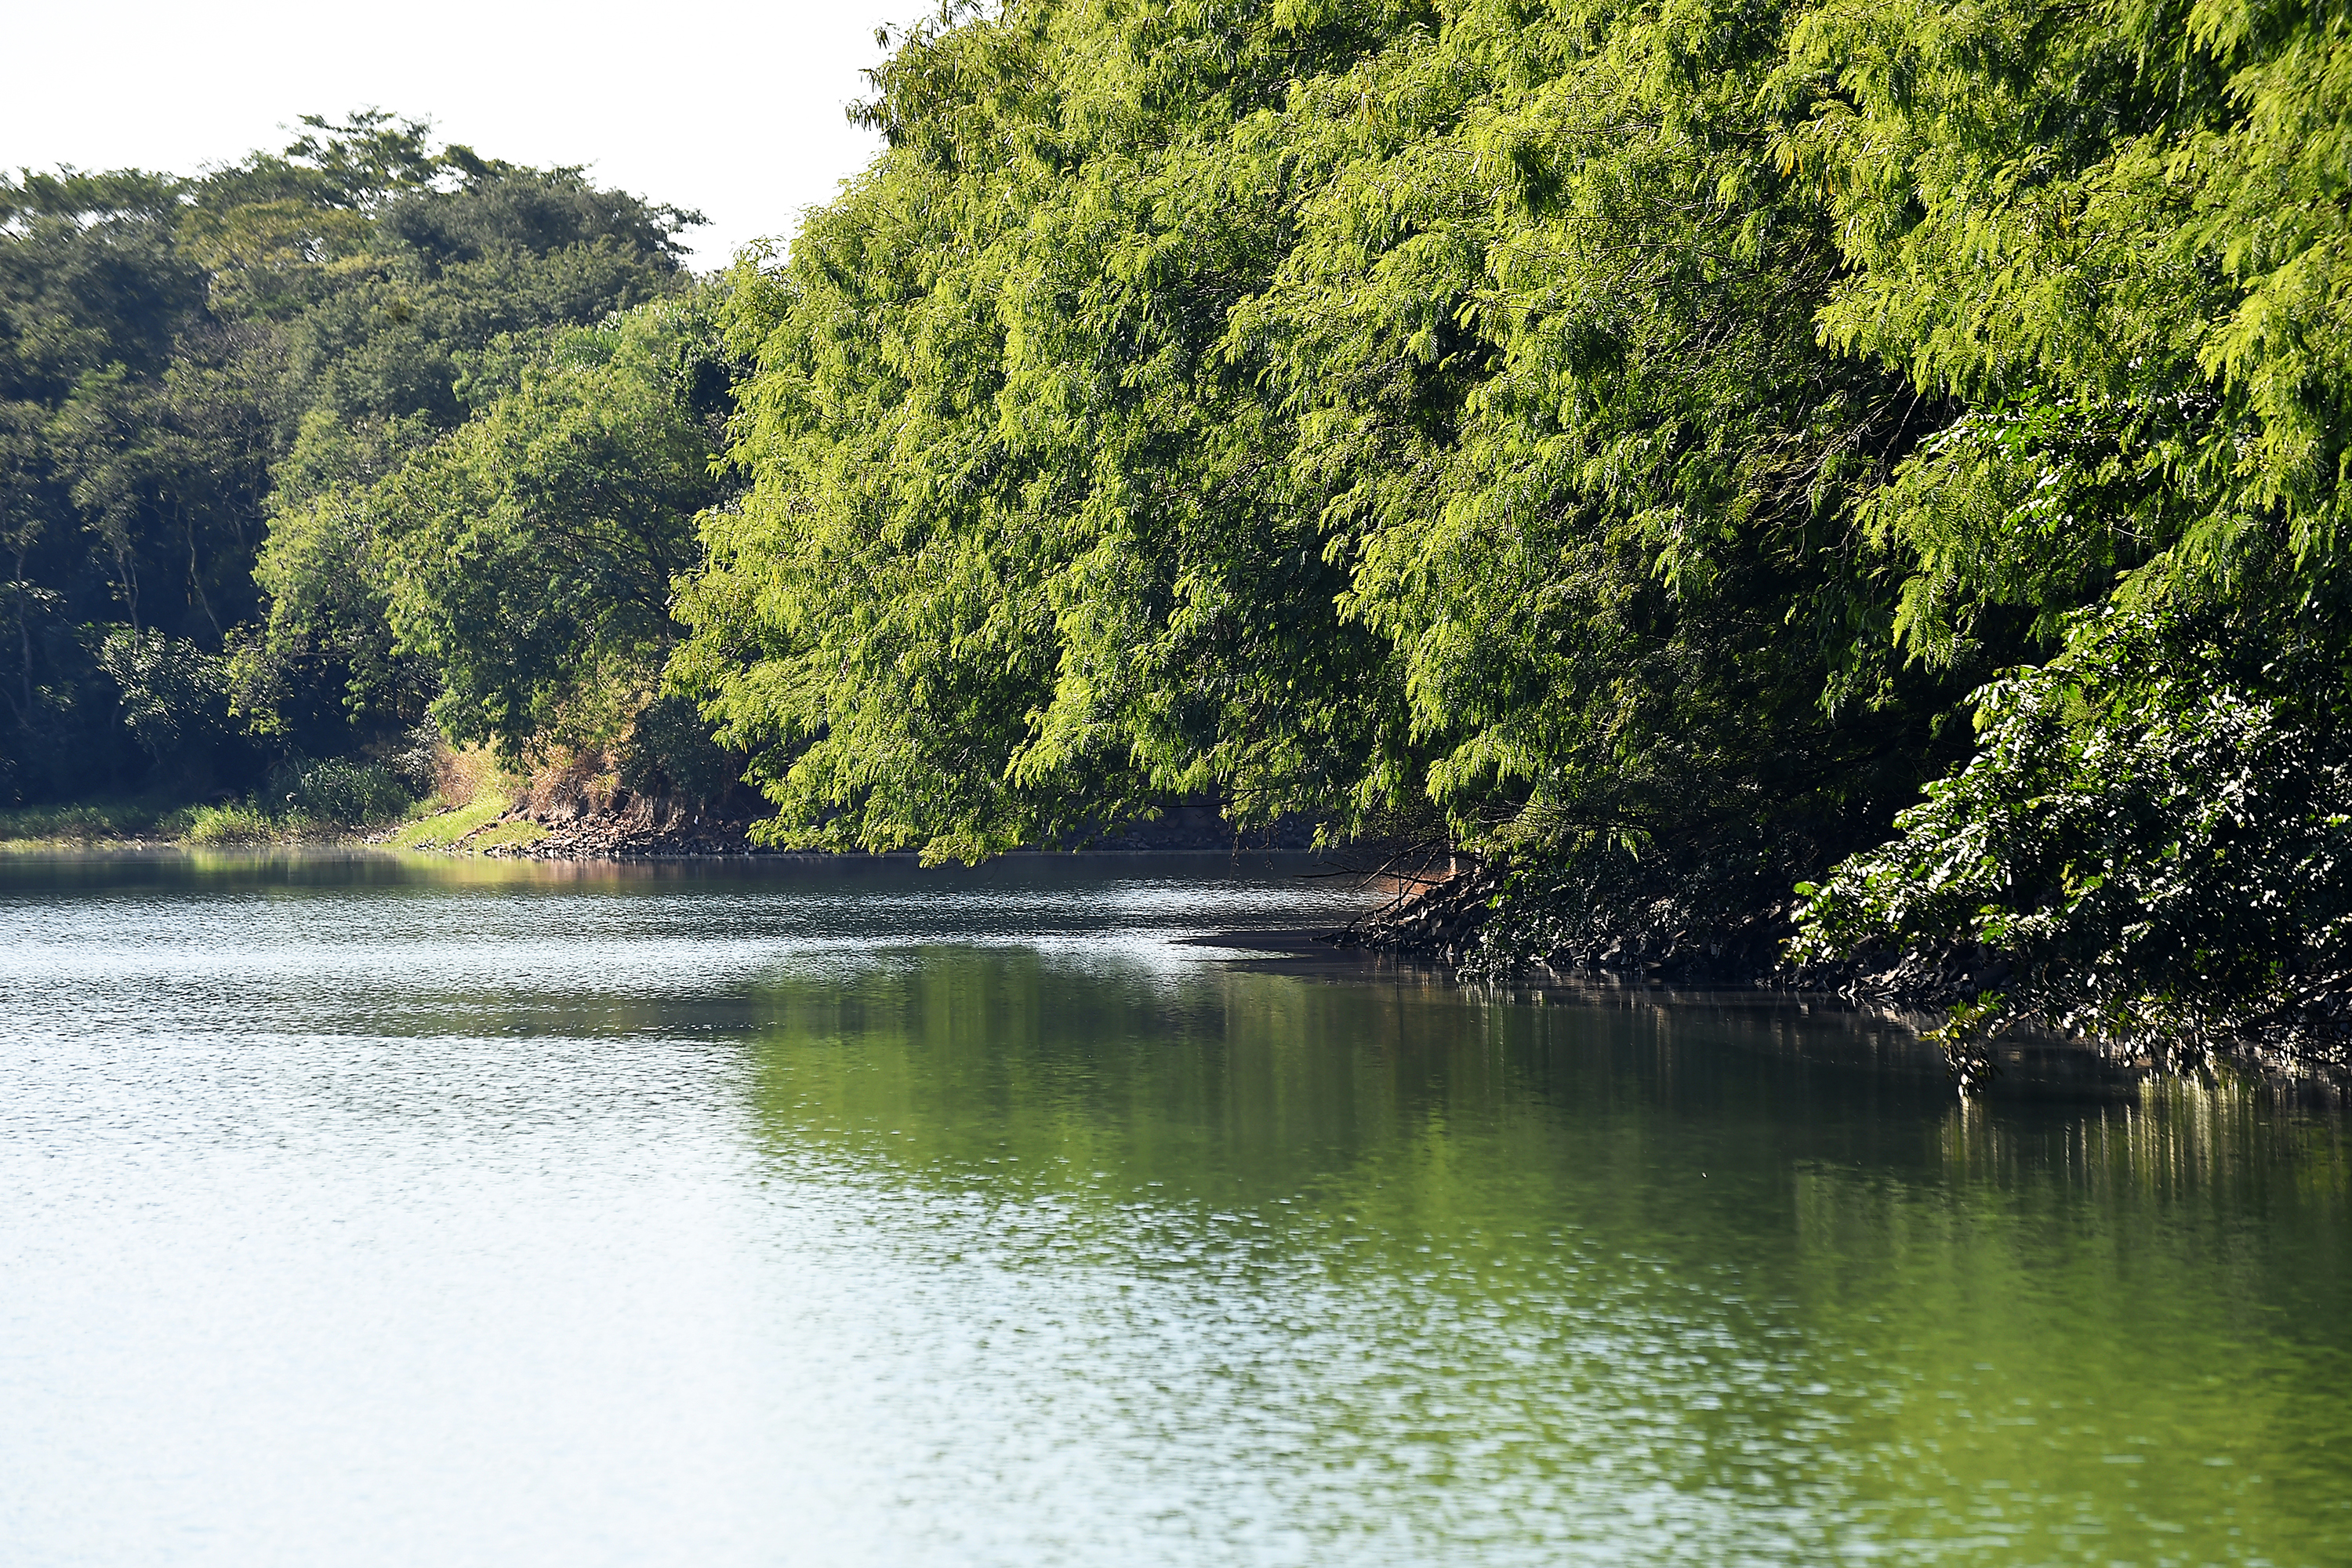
(238, 528)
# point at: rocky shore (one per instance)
(1462, 914)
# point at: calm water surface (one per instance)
(366, 1212)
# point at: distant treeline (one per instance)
(296, 450)
(1646, 446)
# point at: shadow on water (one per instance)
(1760, 1269)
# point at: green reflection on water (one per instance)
(1656, 1283)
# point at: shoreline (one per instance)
(2021, 1062)
(1383, 942)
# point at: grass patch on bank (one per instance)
(322, 801)
(238, 822)
(301, 802)
(443, 829)
(89, 821)
(241, 822)
(509, 835)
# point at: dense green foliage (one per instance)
(1618, 438)
(2117, 237)
(2145, 846)
(1392, 422)
(190, 365)
(524, 559)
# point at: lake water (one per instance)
(367, 1211)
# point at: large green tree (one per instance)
(1404, 414)
(527, 557)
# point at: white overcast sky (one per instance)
(731, 108)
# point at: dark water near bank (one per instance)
(374, 1212)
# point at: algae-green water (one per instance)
(365, 1211)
